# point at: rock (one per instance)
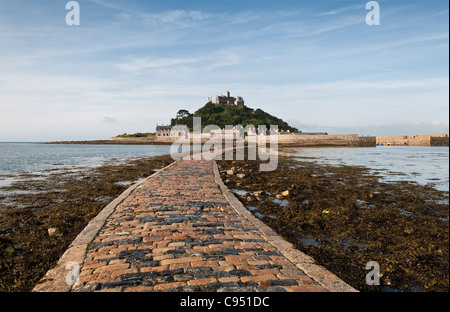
(91, 287)
(259, 193)
(307, 202)
(279, 196)
(227, 181)
(249, 198)
(285, 193)
(230, 172)
(314, 175)
(53, 232)
(240, 175)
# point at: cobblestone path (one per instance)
(178, 232)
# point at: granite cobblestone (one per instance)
(178, 232)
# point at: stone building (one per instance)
(163, 130)
(171, 131)
(227, 99)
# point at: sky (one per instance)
(131, 65)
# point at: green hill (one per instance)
(225, 114)
(136, 135)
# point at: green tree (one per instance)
(223, 114)
(182, 113)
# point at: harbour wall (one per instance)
(350, 140)
(440, 139)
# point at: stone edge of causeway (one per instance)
(55, 279)
(304, 262)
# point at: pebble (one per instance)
(53, 231)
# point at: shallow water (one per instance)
(42, 159)
(424, 165)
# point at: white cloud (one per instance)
(181, 17)
(343, 9)
(385, 129)
(224, 59)
(113, 6)
(439, 123)
(440, 83)
(143, 64)
(148, 63)
(208, 62)
(243, 17)
(44, 103)
(109, 120)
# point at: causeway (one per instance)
(181, 229)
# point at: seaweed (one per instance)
(64, 199)
(345, 217)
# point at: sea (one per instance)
(424, 165)
(36, 158)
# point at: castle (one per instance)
(227, 99)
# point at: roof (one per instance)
(162, 128)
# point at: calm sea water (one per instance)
(424, 165)
(36, 157)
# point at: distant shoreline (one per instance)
(109, 142)
(352, 140)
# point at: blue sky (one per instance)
(133, 64)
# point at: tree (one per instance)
(182, 113)
(223, 114)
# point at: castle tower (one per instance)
(228, 99)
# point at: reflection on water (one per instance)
(308, 241)
(424, 165)
(282, 203)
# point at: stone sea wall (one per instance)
(284, 139)
(353, 140)
(440, 139)
(350, 140)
